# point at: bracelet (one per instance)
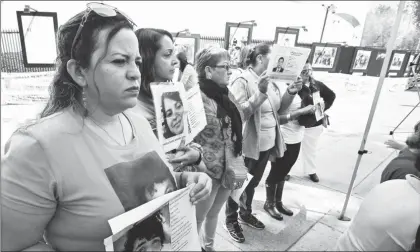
(199, 159)
(289, 117)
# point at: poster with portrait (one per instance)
(186, 45)
(362, 60)
(286, 63)
(396, 62)
(167, 223)
(171, 114)
(237, 35)
(37, 32)
(324, 57)
(286, 36)
(180, 114)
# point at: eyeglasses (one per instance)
(100, 9)
(225, 66)
(306, 72)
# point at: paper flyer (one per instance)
(167, 223)
(286, 63)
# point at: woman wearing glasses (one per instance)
(56, 194)
(221, 139)
(158, 54)
(260, 100)
(313, 128)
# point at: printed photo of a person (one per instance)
(173, 114)
(141, 180)
(279, 68)
(146, 235)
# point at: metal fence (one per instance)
(11, 54)
(12, 58)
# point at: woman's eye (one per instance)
(168, 113)
(138, 63)
(119, 61)
(178, 105)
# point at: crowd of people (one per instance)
(100, 115)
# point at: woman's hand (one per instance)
(296, 86)
(263, 82)
(392, 144)
(310, 109)
(202, 187)
(185, 155)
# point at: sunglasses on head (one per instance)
(100, 9)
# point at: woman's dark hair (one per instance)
(413, 141)
(183, 61)
(148, 229)
(175, 97)
(260, 49)
(64, 91)
(148, 46)
(243, 57)
(417, 127)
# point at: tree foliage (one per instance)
(379, 23)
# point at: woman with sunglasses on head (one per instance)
(260, 100)
(313, 128)
(221, 139)
(157, 50)
(55, 191)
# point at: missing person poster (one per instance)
(286, 63)
(180, 114)
(319, 112)
(167, 223)
(171, 114)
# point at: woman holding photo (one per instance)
(157, 50)
(260, 100)
(55, 194)
(313, 128)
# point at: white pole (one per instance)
(362, 151)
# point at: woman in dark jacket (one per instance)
(313, 128)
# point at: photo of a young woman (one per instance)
(173, 114)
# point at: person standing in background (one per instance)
(313, 128)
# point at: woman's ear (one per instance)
(208, 71)
(259, 58)
(76, 73)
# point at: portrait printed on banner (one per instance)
(362, 60)
(324, 57)
(150, 234)
(396, 62)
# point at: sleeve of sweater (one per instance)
(327, 94)
(248, 105)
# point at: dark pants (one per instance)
(282, 166)
(256, 169)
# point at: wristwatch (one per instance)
(199, 159)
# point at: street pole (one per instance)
(325, 21)
(385, 65)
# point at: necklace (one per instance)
(122, 130)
